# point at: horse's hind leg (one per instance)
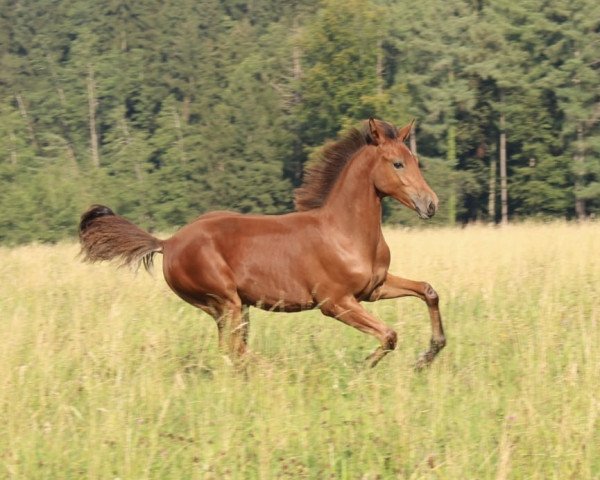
(349, 311)
(245, 326)
(232, 322)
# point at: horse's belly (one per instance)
(280, 300)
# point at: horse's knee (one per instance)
(335, 310)
(431, 297)
(390, 339)
(328, 309)
(231, 306)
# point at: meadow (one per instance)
(105, 374)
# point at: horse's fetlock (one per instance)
(390, 339)
(438, 343)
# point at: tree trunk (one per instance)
(296, 99)
(25, 115)
(185, 111)
(14, 158)
(579, 159)
(179, 130)
(451, 157)
(64, 126)
(503, 179)
(492, 190)
(296, 64)
(93, 105)
(379, 67)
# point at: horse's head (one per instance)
(397, 172)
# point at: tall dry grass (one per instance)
(106, 374)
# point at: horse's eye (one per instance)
(398, 165)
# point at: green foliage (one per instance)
(340, 51)
(169, 109)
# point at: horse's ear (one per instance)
(404, 132)
(376, 136)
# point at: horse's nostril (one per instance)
(431, 208)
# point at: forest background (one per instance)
(167, 109)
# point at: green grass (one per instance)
(106, 374)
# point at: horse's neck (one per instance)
(353, 204)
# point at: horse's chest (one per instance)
(366, 276)
(374, 280)
(357, 269)
(377, 272)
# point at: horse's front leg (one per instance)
(350, 312)
(394, 287)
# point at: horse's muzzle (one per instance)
(426, 208)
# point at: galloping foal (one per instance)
(330, 254)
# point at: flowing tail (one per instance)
(107, 236)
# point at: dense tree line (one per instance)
(167, 109)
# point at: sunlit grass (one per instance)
(106, 374)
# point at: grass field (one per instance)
(105, 374)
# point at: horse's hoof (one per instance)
(423, 361)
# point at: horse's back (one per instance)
(226, 227)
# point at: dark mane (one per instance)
(321, 175)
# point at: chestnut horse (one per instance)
(330, 254)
